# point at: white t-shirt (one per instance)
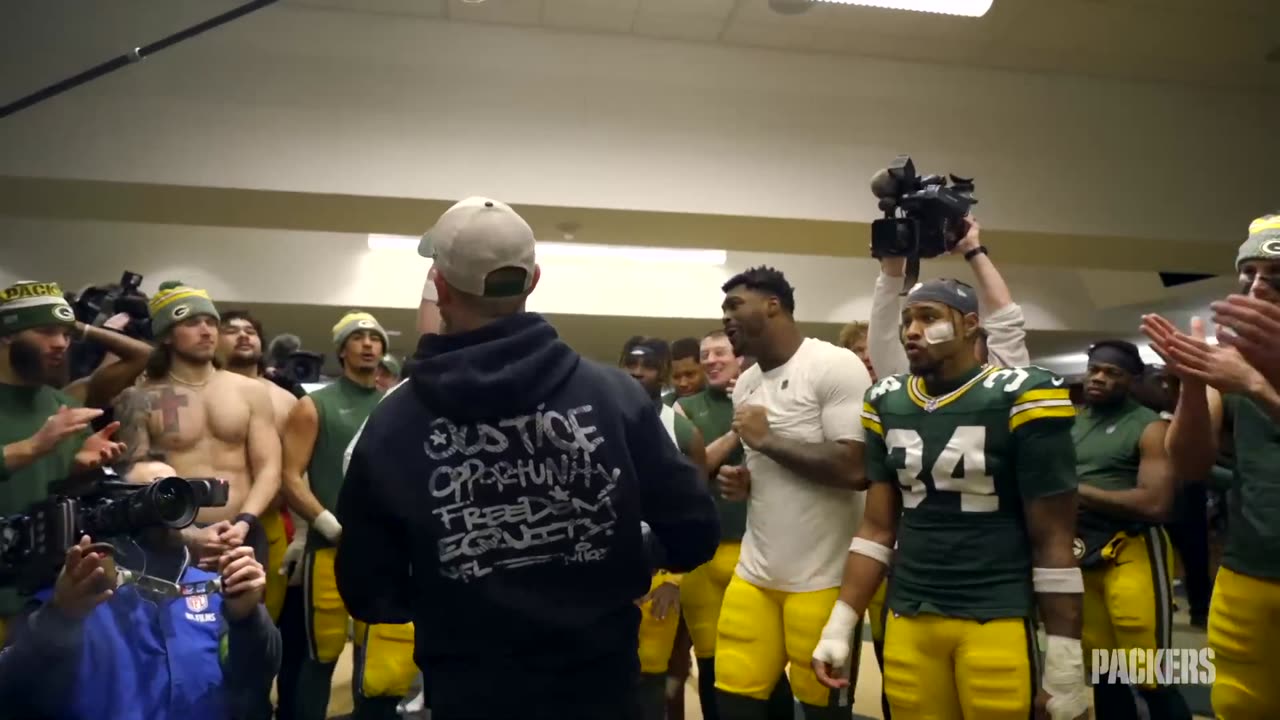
(798, 531)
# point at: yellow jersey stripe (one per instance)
(1043, 394)
(1037, 403)
(916, 391)
(1040, 413)
(873, 425)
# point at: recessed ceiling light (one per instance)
(472, 2)
(969, 8)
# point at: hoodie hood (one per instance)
(500, 370)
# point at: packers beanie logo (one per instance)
(366, 324)
(181, 311)
(1271, 247)
(27, 305)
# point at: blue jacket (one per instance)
(133, 659)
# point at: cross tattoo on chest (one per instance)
(167, 402)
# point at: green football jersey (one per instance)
(1108, 453)
(1253, 545)
(965, 462)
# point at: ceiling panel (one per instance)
(424, 8)
(702, 8)
(505, 12)
(591, 15)
(677, 26)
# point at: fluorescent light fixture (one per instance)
(967, 8)
(684, 256)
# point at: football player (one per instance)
(972, 475)
(660, 609)
(1126, 491)
(796, 411)
(1226, 386)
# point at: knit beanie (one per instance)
(357, 320)
(29, 305)
(176, 302)
(1263, 242)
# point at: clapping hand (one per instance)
(1252, 327)
(1192, 359)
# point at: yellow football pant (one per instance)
(940, 668)
(875, 611)
(273, 526)
(1128, 600)
(761, 630)
(657, 636)
(384, 653)
(702, 594)
(1244, 631)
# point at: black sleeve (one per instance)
(372, 565)
(251, 662)
(674, 498)
(38, 668)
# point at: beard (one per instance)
(28, 364)
(241, 360)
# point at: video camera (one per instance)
(33, 545)
(97, 304)
(923, 216)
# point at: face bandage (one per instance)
(1063, 678)
(939, 332)
(1064, 581)
(873, 550)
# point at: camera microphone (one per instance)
(883, 184)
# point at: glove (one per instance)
(291, 565)
(1063, 678)
(836, 642)
(328, 526)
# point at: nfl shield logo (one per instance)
(197, 603)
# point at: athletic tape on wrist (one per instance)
(841, 622)
(327, 525)
(1063, 678)
(874, 550)
(1065, 581)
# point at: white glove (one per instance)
(836, 643)
(328, 526)
(1063, 678)
(291, 565)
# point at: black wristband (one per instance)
(980, 250)
(247, 518)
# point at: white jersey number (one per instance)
(968, 446)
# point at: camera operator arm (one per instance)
(300, 431)
(1001, 317)
(884, 341)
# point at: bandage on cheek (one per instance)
(939, 332)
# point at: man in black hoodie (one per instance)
(495, 499)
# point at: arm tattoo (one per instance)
(133, 409)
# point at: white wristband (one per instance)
(327, 525)
(1065, 581)
(874, 550)
(429, 291)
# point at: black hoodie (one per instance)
(512, 476)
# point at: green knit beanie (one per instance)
(391, 364)
(29, 305)
(176, 302)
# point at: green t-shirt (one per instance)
(965, 462)
(23, 410)
(342, 407)
(711, 411)
(1253, 537)
(1108, 442)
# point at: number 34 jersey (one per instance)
(966, 462)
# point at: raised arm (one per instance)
(884, 341)
(113, 378)
(837, 460)
(1002, 319)
(1152, 499)
(264, 451)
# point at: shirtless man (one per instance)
(240, 351)
(203, 422)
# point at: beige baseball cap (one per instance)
(477, 237)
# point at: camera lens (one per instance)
(169, 502)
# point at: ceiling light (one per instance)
(685, 256)
(968, 8)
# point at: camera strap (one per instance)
(911, 274)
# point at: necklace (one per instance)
(188, 383)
